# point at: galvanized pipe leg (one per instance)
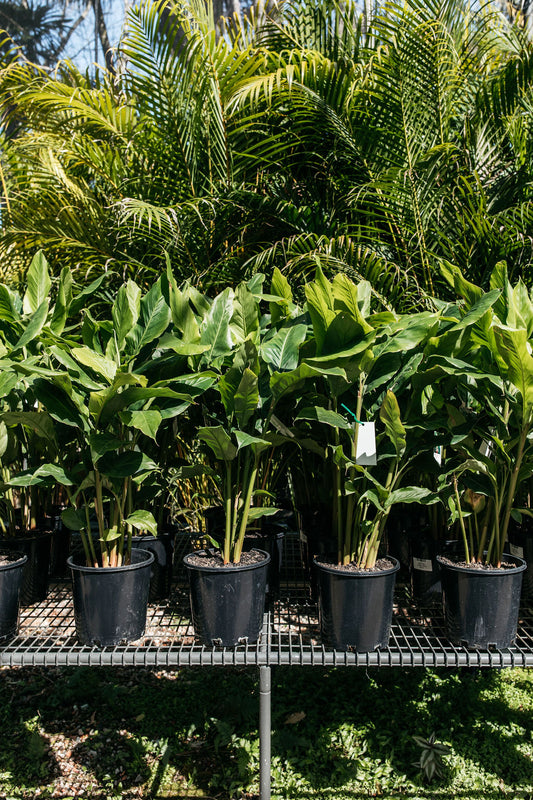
(265, 693)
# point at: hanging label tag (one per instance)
(485, 448)
(516, 550)
(423, 564)
(437, 454)
(366, 445)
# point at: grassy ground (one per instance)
(337, 734)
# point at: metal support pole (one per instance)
(265, 693)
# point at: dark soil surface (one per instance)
(382, 564)
(476, 565)
(204, 558)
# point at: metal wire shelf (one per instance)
(290, 635)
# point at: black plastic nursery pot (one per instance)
(11, 575)
(355, 608)
(481, 605)
(520, 544)
(162, 547)
(272, 543)
(37, 547)
(110, 602)
(227, 603)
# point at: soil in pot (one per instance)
(110, 603)
(481, 604)
(355, 606)
(37, 547)
(11, 575)
(227, 601)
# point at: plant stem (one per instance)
(245, 511)
(228, 512)
(461, 520)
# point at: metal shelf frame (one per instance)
(290, 637)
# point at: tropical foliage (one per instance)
(384, 148)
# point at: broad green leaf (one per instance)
(346, 298)
(126, 310)
(325, 417)
(58, 404)
(146, 421)
(245, 319)
(513, 349)
(8, 310)
(282, 350)
(182, 347)
(129, 379)
(282, 383)
(121, 465)
(390, 416)
(477, 310)
(227, 386)
(256, 512)
(63, 301)
(75, 520)
(142, 521)
(40, 422)
(34, 327)
(45, 475)
(102, 443)
(246, 398)
(182, 314)
(523, 307)
(218, 440)
(99, 364)
(280, 286)
(499, 279)
(215, 328)
(248, 440)
(38, 284)
(8, 381)
(469, 291)
(154, 320)
(320, 306)
(412, 494)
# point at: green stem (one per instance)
(228, 512)
(461, 520)
(245, 511)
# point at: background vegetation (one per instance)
(383, 146)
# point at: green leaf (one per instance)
(412, 494)
(220, 443)
(245, 318)
(246, 397)
(282, 383)
(38, 284)
(154, 320)
(34, 326)
(346, 298)
(182, 313)
(102, 443)
(182, 347)
(513, 349)
(256, 512)
(80, 301)
(282, 350)
(227, 386)
(63, 301)
(45, 475)
(146, 421)
(248, 440)
(38, 421)
(125, 311)
(325, 417)
(143, 521)
(320, 305)
(8, 305)
(280, 286)
(215, 328)
(390, 416)
(75, 520)
(478, 310)
(121, 465)
(58, 404)
(99, 364)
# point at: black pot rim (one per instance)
(145, 562)
(227, 568)
(18, 562)
(361, 573)
(520, 566)
(27, 536)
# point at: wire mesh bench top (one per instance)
(290, 635)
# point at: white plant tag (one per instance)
(437, 454)
(516, 550)
(366, 445)
(485, 448)
(423, 564)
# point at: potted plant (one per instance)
(492, 422)
(258, 363)
(102, 389)
(367, 477)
